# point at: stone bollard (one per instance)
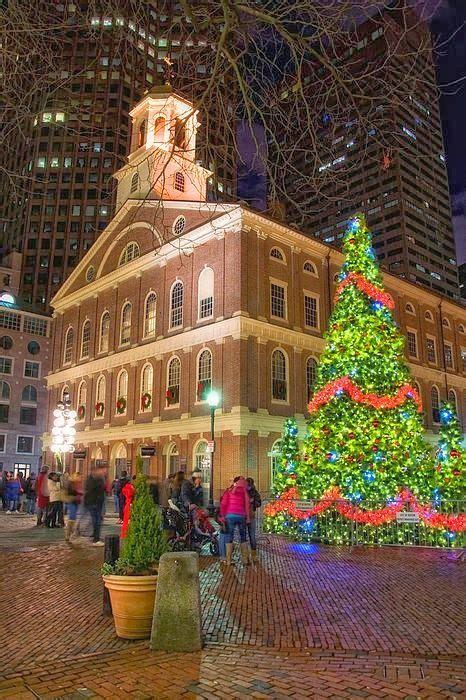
(176, 625)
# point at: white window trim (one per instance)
(179, 327)
(117, 386)
(451, 367)
(81, 356)
(65, 343)
(434, 386)
(153, 336)
(197, 402)
(78, 398)
(308, 272)
(280, 283)
(5, 435)
(6, 357)
(100, 351)
(415, 333)
(463, 363)
(426, 317)
(173, 405)
(97, 399)
(37, 362)
(150, 390)
(33, 444)
(408, 311)
(205, 318)
(123, 307)
(430, 362)
(307, 293)
(280, 402)
(276, 247)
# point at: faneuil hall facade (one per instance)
(179, 295)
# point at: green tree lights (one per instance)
(450, 460)
(288, 460)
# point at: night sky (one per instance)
(451, 18)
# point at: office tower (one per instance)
(385, 158)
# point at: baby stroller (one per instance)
(192, 531)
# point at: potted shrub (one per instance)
(132, 580)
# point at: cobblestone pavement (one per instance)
(306, 622)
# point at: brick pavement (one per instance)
(307, 621)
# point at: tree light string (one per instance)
(363, 284)
(333, 498)
(346, 384)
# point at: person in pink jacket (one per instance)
(235, 510)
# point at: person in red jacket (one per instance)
(235, 509)
(43, 495)
(127, 492)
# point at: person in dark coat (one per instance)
(94, 499)
(30, 491)
(192, 493)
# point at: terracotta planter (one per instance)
(132, 599)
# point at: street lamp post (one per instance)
(63, 431)
(213, 399)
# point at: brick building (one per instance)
(24, 362)
(182, 295)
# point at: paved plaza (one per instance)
(306, 622)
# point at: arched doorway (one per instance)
(172, 458)
(201, 463)
(119, 460)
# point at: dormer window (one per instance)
(130, 252)
(134, 182)
(179, 182)
(142, 133)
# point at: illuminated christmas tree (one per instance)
(450, 466)
(289, 457)
(365, 434)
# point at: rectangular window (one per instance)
(448, 354)
(35, 326)
(6, 365)
(24, 445)
(206, 307)
(277, 301)
(8, 319)
(4, 411)
(431, 353)
(311, 317)
(2, 443)
(28, 415)
(412, 344)
(31, 369)
(463, 359)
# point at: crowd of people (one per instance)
(52, 495)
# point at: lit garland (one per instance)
(345, 384)
(287, 504)
(367, 288)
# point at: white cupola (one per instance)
(162, 161)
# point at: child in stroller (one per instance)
(192, 530)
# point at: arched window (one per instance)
(125, 327)
(452, 399)
(275, 460)
(150, 315)
(409, 308)
(446, 323)
(435, 401)
(129, 253)
(104, 335)
(134, 183)
(204, 375)
(202, 463)
(310, 267)
(122, 388)
(205, 293)
(428, 316)
(100, 396)
(65, 391)
(461, 328)
(173, 458)
(69, 340)
(173, 381)
(179, 182)
(5, 391)
(82, 395)
(29, 393)
(142, 133)
(147, 379)
(311, 376)
(159, 129)
(277, 254)
(279, 383)
(180, 133)
(176, 305)
(85, 339)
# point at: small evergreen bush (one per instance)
(146, 540)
